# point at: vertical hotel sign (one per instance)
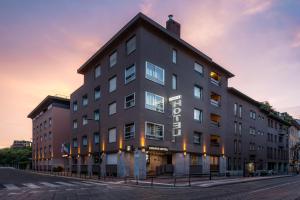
(176, 102)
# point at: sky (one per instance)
(43, 43)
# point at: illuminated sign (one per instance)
(158, 148)
(176, 102)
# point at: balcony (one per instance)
(215, 119)
(215, 78)
(215, 99)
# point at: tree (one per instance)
(20, 156)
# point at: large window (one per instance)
(154, 102)
(198, 115)
(240, 111)
(154, 131)
(235, 109)
(131, 45)
(113, 59)
(155, 73)
(129, 131)
(112, 135)
(84, 141)
(75, 106)
(112, 108)
(198, 68)
(129, 101)
(129, 74)
(96, 138)
(75, 144)
(112, 84)
(197, 137)
(96, 115)
(174, 82)
(97, 71)
(174, 56)
(97, 93)
(84, 120)
(75, 124)
(198, 91)
(85, 100)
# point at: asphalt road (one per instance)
(21, 185)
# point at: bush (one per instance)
(263, 173)
(58, 169)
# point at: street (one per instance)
(23, 185)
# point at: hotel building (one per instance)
(151, 103)
(50, 130)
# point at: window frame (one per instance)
(125, 102)
(109, 84)
(126, 44)
(155, 71)
(109, 141)
(114, 102)
(131, 136)
(131, 78)
(154, 138)
(153, 107)
(110, 59)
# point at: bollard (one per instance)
(190, 180)
(152, 181)
(174, 181)
(209, 175)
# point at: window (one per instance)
(174, 82)
(252, 114)
(197, 137)
(96, 138)
(50, 121)
(240, 111)
(84, 120)
(154, 102)
(97, 71)
(84, 141)
(155, 73)
(129, 131)
(113, 59)
(96, 115)
(131, 45)
(198, 68)
(215, 78)
(85, 100)
(129, 74)
(235, 146)
(75, 124)
(235, 127)
(112, 135)
(75, 106)
(154, 131)
(235, 109)
(174, 56)
(112, 84)
(198, 91)
(129, 101)
(240, 128)
(252, 131)
(198, 115)
(75, 144)
(97, 93)
(112, 108)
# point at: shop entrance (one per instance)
(159, 163)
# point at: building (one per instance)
(294, 146)
(20, 144)
(50, 130)
(151, 103)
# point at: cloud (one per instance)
(296, 40)
(256, 6)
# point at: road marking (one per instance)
(49, 184)
(94, 183)
(273, 187)
(80, 183)
(11, 187)
(31, 185)
(66, 184)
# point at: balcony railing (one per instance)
(214, 103)
(214, 81)
(215, 123)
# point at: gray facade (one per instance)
(140, 140)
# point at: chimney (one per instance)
(173, 26)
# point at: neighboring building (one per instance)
(20, 144)
(152, 103)
(294, 146)
(50, 130)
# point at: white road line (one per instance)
(66, 184)
(273, 187)
(80, 183)
(49, 184)
(11, 187)
(94, 183)
(31, 185)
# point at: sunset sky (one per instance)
(43, 43)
